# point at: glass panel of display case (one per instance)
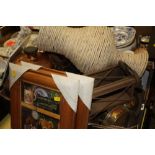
(44, 98)
(32, 119)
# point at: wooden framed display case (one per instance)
(37, 102)
(84, 92)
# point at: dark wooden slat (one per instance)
(116, 85)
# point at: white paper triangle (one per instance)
(15, 72)
(85, 89)
(69, 89)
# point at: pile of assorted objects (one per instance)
(118, 97)
(11, 40)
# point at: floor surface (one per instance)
(5, 123)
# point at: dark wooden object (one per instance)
(151, 47)
(67, 115)
(113, 88)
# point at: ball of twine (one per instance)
(90, 49)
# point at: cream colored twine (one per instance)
(90, 49)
